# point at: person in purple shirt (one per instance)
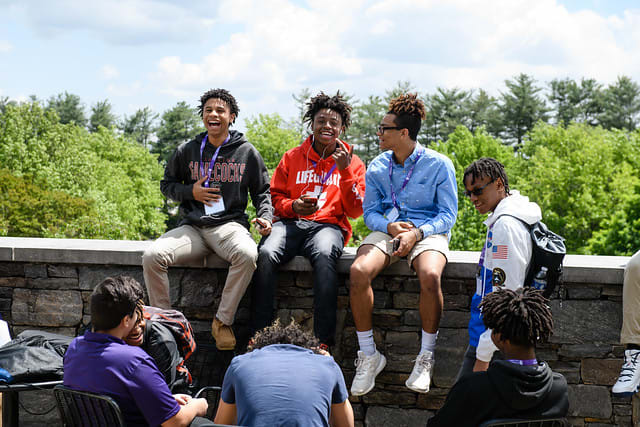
(101, 362)
(410, 204)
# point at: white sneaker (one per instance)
(420, 377)
(367, 368)
(629, 379)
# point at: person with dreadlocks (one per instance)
(260, 387)
(212, 176)
(410, 205)
(506, 253)
(519, 386)
(315, 187)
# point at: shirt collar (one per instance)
(103, 338)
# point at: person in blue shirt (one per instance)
(411, 205)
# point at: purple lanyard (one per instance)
(394, 198)
(524, 362)
(213, 159)
(326, 177)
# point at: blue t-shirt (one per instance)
(283, 384)
(102, 363)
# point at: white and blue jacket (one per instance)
(503, 261)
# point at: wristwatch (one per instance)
(419, 233)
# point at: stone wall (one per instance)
(45, 284)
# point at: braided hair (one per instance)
(523, 316)
(223, 95)
(409, 111)
(336, 103)
(489, 167)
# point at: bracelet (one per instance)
(419, 234)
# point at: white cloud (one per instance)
(109, 72)
(5, 46)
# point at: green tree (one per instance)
(591, 105)
(521, 108)
(271, 137)
(446, 110)
(140, 126)
(101, 115)
(365, 119)
(565, 97)
(177, 125)
(118, 178)
(300, 99)
(484, 112)
(621, 105)
(69, 108)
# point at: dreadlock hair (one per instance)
(336, 103)
(523, 316)
(278, 334)
(409, 111)
(222, 94)
(489, 167)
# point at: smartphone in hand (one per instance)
(310, 199)
(396, 244)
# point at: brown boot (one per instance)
(223, 334)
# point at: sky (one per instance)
(156, 53)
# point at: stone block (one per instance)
(383, 397)
(69, 332)
(578, 322)
(13, 282)
(455, 319)
(11, 269)
(581, 351)
(590, 401)
(381, 416)
(430, 401)
(304, 280)
(35, 270)
(622, 410)
(46, 307)
(570, 370)
(584, 292)
(406, 300)
(6, 292)
(306, 302)
(199, 289)
(381, 299)
(57, 270)
(52, 283)
(412, 285)
(402, 342)
(5, 304)
(400, 362)
(394, 284)
(412, 318)
(600, 371)
(388, 318)
(457, 302)
(90, 276)
(457, 286)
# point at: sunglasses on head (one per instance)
(477, 191)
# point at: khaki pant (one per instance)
(630, 332)
(231, 242)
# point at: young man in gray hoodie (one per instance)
(506, 253)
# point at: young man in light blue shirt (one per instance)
(411, 205)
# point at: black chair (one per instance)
(84, 409)
(518, 422)
(212, 394)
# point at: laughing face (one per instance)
(136, 335)
(216, 116)
(327, 127)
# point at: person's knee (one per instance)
(245, 255)
(360, 277)
(429, 281)
(153, 258)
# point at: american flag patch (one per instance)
(500, 252)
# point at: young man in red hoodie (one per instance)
(315, 187)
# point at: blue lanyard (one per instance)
(523, 362)
(213, 159)
(394, 198)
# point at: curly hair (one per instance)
(225, 96)
(489, 167)
(409, 111)
(336, 103)
(523, 316)
(113, 299)
(278, 334)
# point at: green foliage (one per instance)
(361, 134)
(622, 104)
(177, 125)
(464, 147)
(69, 108)
(271, 137)
(118, 178)
(521, 107)
(140, 126)
(101, 115)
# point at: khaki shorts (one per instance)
(434, 242)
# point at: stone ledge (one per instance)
(462, 264)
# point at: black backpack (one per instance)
(548, 251)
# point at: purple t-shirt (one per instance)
(283, 384)
(102, 363)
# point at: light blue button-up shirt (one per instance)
(429, 201)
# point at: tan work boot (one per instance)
(223, 334)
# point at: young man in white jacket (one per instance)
(506, 253)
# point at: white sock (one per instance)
(366, 343)
(428, 342)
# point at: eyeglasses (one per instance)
(477, 191)
(381, 128)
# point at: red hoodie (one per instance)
(301, 171)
